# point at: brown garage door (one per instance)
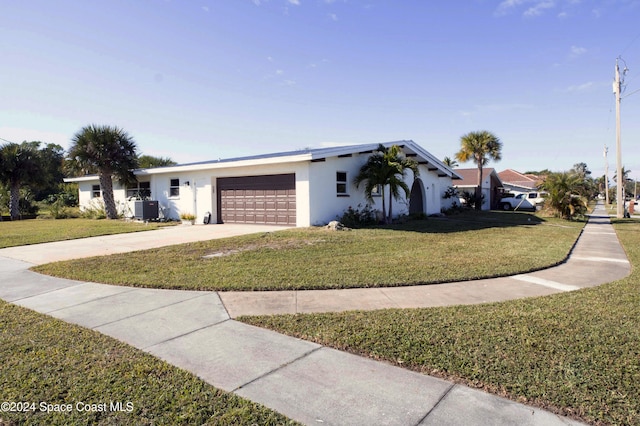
(269, 199)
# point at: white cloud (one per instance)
(539, 8)
(205, 8)
(580, 88)
(296, 2)
(577, 51)
(495, 108)
(507, 6)
(333, 16)
(533, 7)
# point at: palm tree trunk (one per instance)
(390, 219)
(479, 189)
(14, 201)
(106, 183)
(384, 208)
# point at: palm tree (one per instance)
(19, 165)
(563, 189)
(480, 146)
(386, 167)
(450, 162)
(107, 151)
(149, 161)
(628, 184)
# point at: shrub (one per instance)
(188, 216)
(359, 217)
(471, 200)
(95, 210)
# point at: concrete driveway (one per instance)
(122, 243)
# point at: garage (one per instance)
(265, 199)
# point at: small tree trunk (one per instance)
(14, 201)
(384, 208)
(479, 190)
(390, 219)
(107, 195)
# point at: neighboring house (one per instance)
(518, 183)
(299, 188)
(491, 185)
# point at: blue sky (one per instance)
(207, 79)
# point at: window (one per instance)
(174, 188)
(141, 191)
(341, 183)
(95, 191)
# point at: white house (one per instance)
(491, 185)
(299, 188)
(519, 183)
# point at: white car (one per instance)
(518, 202)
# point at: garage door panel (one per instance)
(269, 199)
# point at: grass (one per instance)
(462, 247)
(47, 360)
(575, 353)
(36, 231)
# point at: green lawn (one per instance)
(575, 353)
(35, 231)
(466, 246)
(45, 360)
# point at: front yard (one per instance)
(462, 247)
(36, 231)
(575, 353)
(69, 375)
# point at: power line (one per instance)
(2, 139)
(630, 43)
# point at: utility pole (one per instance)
(606, 177)
(617, 86)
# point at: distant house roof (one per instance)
(411, 149)
(517, 179)
(469, 177)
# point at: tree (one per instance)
(480, 146)
(581, 169)
(107, 151)
(19, 165)
(149, 161)
(386, 167)
(52, 159)
(563, 189)
(587, 187)
(628, 184)
(450, 162)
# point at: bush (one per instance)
(471, 200)
(95, 210)
(359, 217)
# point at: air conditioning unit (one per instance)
(146, 210)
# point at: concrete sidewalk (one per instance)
(305, 381)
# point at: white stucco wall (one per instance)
(317, 201)
(326, 205)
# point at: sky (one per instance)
(198, 80)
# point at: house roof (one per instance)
(514, 178)
(469, 177)
(410, 148)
